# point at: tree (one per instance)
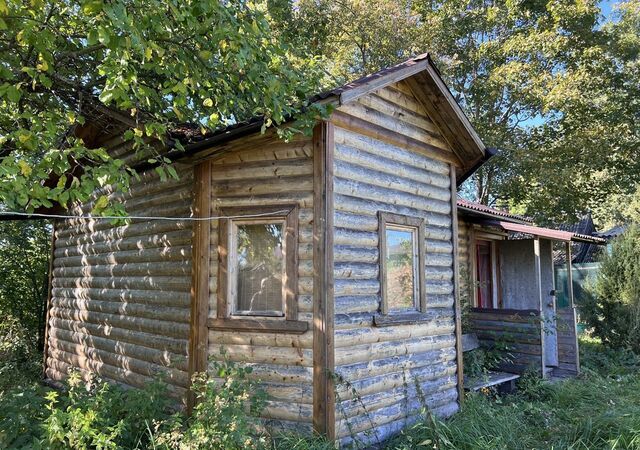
(148, 63)
(542, 81)
(613, 309)
(587, 154)
(24, 258)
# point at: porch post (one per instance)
(538, 274)
(572, 303)
(569, 274)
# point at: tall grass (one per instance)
(598, 410)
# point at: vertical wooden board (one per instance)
(538, 274)
(198, 333)
(291, 282)
(324, 419)
(45, 349)
(456, 284)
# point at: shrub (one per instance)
(612, 310)
(225, 415)
(20, 361)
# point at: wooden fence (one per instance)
(568, 357)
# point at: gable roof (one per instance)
(426, 85)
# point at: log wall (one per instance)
(568, 351)
(386, 375)
(518, 330)
(121, 293)
(465, 252)
(267, 171)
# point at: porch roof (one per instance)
(557, 235)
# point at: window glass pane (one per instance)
(260, 268)
(400, 268)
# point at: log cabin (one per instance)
(329, 264)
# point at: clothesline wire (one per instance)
(193, 219)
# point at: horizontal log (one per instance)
(391, 106)
(173, 268)
(405, 101)
(146, 297)
(402, 389)
(398, 363)
(130, 256)
(385, 129)
(263, 354)
(149, 340)
(399, 410)
(71, 247)
(355, 271)
(165, 283)
(160, 327)
(267, 148)
(356, 287)
(304, 199)
(350, 171)
(87, 233)
(264, 169)
(397, 149)
(359, 353)
(353, 254)
(386, 164)
(356, 304)
(371, 192)
(124, 309)
(64, 363)
(343, 236)
(155, 356)
(437, 326)
(361, 205)
(90, 355)
(248, 187)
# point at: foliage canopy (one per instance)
(146, 65)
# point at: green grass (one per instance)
(598, 410)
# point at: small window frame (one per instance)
(417, 224)
(225, 316)
(493, 241)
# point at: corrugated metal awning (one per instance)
(557, 235)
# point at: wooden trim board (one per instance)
(45, 343)
(324, 408)
(198, 333)
(456, 283)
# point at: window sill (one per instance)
(403, 318)
(259, 326)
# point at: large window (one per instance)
(257, 269)
(402, 263)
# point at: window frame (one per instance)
(417, 224)
(227, 265)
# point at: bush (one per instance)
(612, 309)
(20, 361)
(86, 415)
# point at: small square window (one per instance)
(257, 270)
(402, 263)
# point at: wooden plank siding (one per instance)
(378, 369)
(264, 172)
(518, 330)
(120, 297)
